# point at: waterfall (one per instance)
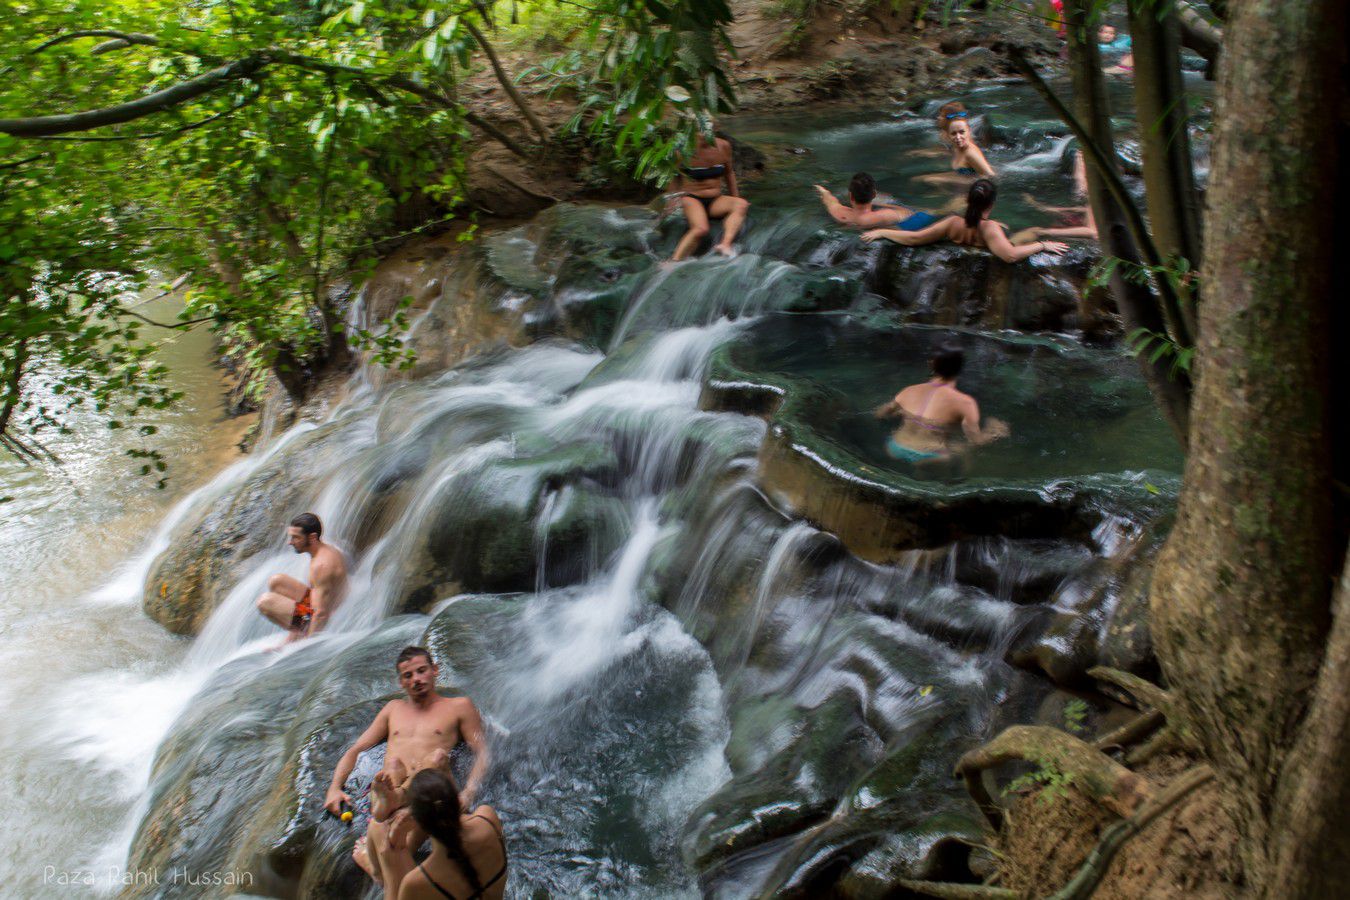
(701, 669)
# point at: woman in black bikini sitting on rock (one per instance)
(700, 184)
(464, 848)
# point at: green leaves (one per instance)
(1141, 341)
(271, 187)
(646, 77)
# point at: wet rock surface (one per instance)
(965, 287)
(194, 574)
(723, 643)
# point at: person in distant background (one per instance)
(304, 609)
(1110, 41)
(702, 175)
(1082, 223)
(864, 212)
(967, 159)
(974, 229)
(934, 411)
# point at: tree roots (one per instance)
(1087, 768)
(1067, 759)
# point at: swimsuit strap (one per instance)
(921, 418)
(487, 884)
(501, 837)
(929, 402)
(432, 881)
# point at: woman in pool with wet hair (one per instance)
(933, 411)
(967, 159)
(974, 229)
(464, 848)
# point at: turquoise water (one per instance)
(1072, 411)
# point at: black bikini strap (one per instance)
(427, 876)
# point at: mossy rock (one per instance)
(482, 535)
(209, 550)
(238, 783)
(949, 285)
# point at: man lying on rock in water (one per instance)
(864, 212)
(420, 731)
(304, 609)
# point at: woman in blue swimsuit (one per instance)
(933, 410)
(464, 848)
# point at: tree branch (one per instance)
(182, 129)
(1198, 34)
(1091, 771)
(951, 891)
(1145, 692)
(1134, 220)
(125, 37)
(407, 85)
(149, 321)
(22, 162)
(43, 126)
(248, 67)
(1136, 729)
(505, 81)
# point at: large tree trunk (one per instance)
(1242, 595)
(1138, 307)
(1164, 133)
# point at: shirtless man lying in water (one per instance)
(864, 212)
(420, 731)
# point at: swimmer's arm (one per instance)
(375, 734)
(837, 210)
(1000, 246)
(1030, 200)
(930, 151)
(888, 409)
(1069, 231)
(970, 425)
(882, 216)
(471, 730)
(938, 231)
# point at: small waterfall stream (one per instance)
(697, 678)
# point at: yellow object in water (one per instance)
(347, 816)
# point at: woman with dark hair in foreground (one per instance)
(468, 852)
(974, 229)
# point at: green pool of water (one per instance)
(1072, 411)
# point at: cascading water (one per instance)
(689, 687)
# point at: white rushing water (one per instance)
(92, 687)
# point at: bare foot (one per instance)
(361, 856)
(437, 759)
(726, 250)
(386, 790)
(400, 829)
